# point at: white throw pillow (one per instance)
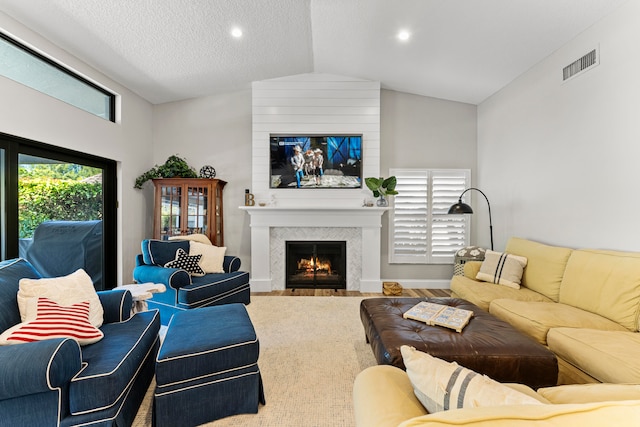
(67, 290)
(502, 269)
(440, 385)
(212, 256)
(201, 238)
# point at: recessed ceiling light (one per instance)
(404, 35)
(236, 32)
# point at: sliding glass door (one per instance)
(59, 210)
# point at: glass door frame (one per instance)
(9, 231)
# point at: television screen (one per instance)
(316, 161)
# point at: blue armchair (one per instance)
(55, 382)
(184, 291)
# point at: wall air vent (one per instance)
(587, 62)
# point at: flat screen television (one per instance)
(324, 161)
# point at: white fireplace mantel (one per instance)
(366, 219)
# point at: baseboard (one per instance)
(371, 286)
(421, 284)
(260, 285)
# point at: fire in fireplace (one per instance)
(316, 264)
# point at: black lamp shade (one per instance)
(460, 208)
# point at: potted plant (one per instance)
(381, 188)
(174, 167)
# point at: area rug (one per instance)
(311, 349)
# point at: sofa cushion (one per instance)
(54, 321)
(608, 356)
(441, 385)
(383, 396)
(160, 252)
(586, 393)
(112, 363)
(502, 269)
(536, 318)
(545, 265)
(606, 283)
(623, 413)
(482, 293)
(11, 271)
(66, 290)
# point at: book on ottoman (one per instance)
(439, 315)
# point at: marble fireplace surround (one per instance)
(272, 226)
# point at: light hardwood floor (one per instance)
(420, 293)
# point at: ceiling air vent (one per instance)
(588, 61)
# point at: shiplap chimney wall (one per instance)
(314, 104)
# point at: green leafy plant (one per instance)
(382, 186)
(174, 167)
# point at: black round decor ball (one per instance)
(207, 172)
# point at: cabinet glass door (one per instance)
(197, 210)
(170, 211)
(218, 217)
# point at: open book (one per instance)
(440, 315)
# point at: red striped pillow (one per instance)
(55, 321)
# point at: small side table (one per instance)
(141, 292)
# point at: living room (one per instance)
(552, 156)
(569, 147)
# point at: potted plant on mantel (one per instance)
(381, 188)
(174, 167)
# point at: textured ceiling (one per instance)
(168, 50)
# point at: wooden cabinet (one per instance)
(188, 206)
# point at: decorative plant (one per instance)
(174, 167)
(381, 186)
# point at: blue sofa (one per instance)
(184, 291)
(56, 382)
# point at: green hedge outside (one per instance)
(41, 200)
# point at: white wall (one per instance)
(30, 114)
(423, 132)
(559, 160)
(216, 131)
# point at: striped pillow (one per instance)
(55, 321)
(440, 385)
(502, 268)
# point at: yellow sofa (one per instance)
(383, 397)
(583, 304)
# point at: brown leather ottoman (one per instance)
(486, 345)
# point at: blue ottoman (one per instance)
(207, 367)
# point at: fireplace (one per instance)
(316, 264)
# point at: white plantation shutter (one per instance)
(449, 233)
(409, 225)
(421, 231)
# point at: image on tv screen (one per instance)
(316, 161)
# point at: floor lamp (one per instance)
(463, 208)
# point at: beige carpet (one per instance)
(311, 349)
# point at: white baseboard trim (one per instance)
(421, 284)
(260, 285)
(370, 286)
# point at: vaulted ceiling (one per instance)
(168, 50)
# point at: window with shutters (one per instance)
(420, 229)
